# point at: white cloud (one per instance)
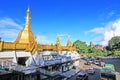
(110, 14)
(43, 40)
(9, 29)
(9, 33)
(96, 30)
(107, 32)
(8, 22)
(62, 35)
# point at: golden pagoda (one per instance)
(26, 35)
(25, 40)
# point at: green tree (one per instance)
(114, 43)
(114, 46)
(117, 52)
(92, 50)
(96, 52)
(81, 46)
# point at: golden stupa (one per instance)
(26, 35)
(26, 41)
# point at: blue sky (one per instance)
(87, 20)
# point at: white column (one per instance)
(15, 57)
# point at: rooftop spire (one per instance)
(28, 17)
(69, 43)
(58, 41)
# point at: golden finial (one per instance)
(28, 16)
(28, 10)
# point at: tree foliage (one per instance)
(117, 53)
(114, 46)
(114, 43)
(97, 52)
(85, 50)
(81, 46)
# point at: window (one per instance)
(55, 57)
(46, 57)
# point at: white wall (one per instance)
(10, 54)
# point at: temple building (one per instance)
(28, 60)
(100, 47)
(26, 42)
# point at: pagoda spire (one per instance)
(69, 43)
(28, 17)
(58, 41)
(26, 35)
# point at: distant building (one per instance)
(91, 44)
(100, 47)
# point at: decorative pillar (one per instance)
(58, 45)
(15, 60)
(14, 46)
(1, 45)
(69, 44)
